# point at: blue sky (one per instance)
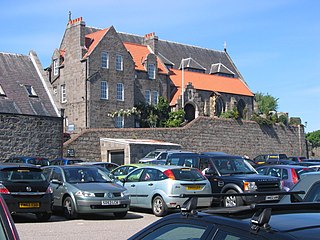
(274, 44)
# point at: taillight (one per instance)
(295, 177)
(3, 189)
(169, 174)
(49, 190)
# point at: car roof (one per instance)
(164, 167)
(18, 165)
(282, 166)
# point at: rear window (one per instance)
(181, 159)
(187, 174)
(22, 175)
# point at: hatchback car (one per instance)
(158, 187)
(39, 161)
(289, 174)
(270, 158)
(26, 190)
(86, 189)
(65, 161)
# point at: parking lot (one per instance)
(93, 227)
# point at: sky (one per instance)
(274, 44)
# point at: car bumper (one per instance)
(96, 206)
(177, 202)
(22, 204)
(261, 199)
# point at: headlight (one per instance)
(84, 194)
(125, 193)
(249, 186)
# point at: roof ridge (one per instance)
(14, 54)
(137, 44)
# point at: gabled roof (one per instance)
(207, 82)
(139, 54)
(18, 75)
(220, 68)
(92, 40)
(191, 63)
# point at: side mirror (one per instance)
(211, 171)
(56, 181)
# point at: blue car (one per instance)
(65, 161)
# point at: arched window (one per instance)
(220, 106)
(240, 107)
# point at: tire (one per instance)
(232, 201)
(159, 207)
(120, 214)
(69, 210)
(43, 216)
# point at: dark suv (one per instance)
(232, 174)
(26, 190)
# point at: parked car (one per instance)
(154, 162)
(289, 174)
(26, 190)
(108, 165)
(65, 161)
(8, 229)
(86, 189)
(39, 161)
(272, 222)
(158, 187)
(159, 154)
(182, 158)
(310, 184)
(297, 158)
(123, 170)
(270, 158)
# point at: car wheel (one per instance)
(69, 209)
(120, 214)
(159, 207)
(232, 201)
(43, 216)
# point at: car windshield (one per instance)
(233, 166)
(23, 174)
(152, 154)
(187, 174)
(85, 175)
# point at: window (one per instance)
(2, 93)
(104, 90)
(119, 63)
(135, 176)
(55, 67)
(120, 91)
(31, 91)
(55, 90)
(63, 93)
(119, 121)
(104, 60)
(155, 98)
(152, 71)
(147, 96)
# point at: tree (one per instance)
(314, 138)
(266, 103)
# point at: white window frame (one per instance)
(147, 96)
(152, 71)
(120, 92)
(119, 62)
(155, 97)
(63, 93)
(104, 90)
(31, 91)
(104, 60)
(55, 67)
(2, 93)
(119, 121)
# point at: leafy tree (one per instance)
(314, 138)
(234, 114)
(266, 103)
(175, 118)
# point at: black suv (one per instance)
(26, 190)
(232, 174)
(256, 222)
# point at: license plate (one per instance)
(194, 187)
(110, 202)
(29, 205)
(274, 197)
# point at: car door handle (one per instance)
(150, 184)
(132, 185)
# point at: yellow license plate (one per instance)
(195, 187)
(29, 205)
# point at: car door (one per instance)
(130, 184)
(56, 182)
(146, 186)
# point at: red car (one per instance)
(7, 227)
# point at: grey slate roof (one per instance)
(17, 71)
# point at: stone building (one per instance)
(30, 122)
(96, 72)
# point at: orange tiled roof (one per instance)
(95, 38)
(139, 54)
(208, 82)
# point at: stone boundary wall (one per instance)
(202, 134)
(29, 135)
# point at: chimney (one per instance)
(152, 41)
(80, 26)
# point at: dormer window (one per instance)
(2, 93)
(55, 67)
(31, 91)
(152, 71)
(119, 63)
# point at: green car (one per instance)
(123, 170)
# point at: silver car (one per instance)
(86, 189)
(158, 187)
